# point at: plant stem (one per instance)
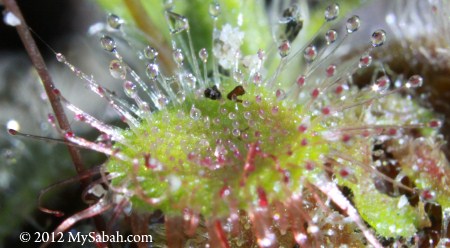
(41, 68)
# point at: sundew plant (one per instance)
(247, 124)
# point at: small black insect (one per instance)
(293, 23)
(237, 91)
(213, 93)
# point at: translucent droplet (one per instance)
(190, 80)
(280, 94)
(168, 4)
(181, 96)
(232, 115)
(301, 80)
(332, 12)
(130, 89)
(13, 124)
(238, 76)
(195, 113)
(353, 24)
(203, 55)
(382, 84)
(331, 36)
(414, 81)
(60, 58)
(178, 56)
(117, 70)
(10, 19)
(114, 21)
(108, 43)
(330, 70)
(236, 132)
(365, 61)
(214, 10)
(163, 101)
(378, 38)
(177, 22)
(284, 48)
(150, 53)
(152, 71)
(257, 78)
(310, 53)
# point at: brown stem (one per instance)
(41, 68)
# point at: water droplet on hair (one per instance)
(177, 22)
(152, 71)
(214, 10)
(114, 21)
(60, 58)
(117, 70)
(236, 132)
(310, 53)
(378, 38)
(10, 19)
(195, 113)
(330, 70)
(414, 81)
(280, 94)
(353, 24)
(332, 12)
(168, 4)
(382, 84)
(365, 61)
(13, 124)
(150, 53)
(331, 36)
(178, 57)
(108, 43)
(130, 89)
(284, 48)
(301, 80)
(203, 55)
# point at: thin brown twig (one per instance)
(41, 68)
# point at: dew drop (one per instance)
(435, 124)
(152, 71)
(332, 12)
(117, 70)
(378, 38)
(61, 58)
(414, 81)
(114, 21)
(150, 53)
(203, 54)
(177, 23)
(108, 43)
(214, 10)
(310, 53)
(280, 94)
(301, 80)
(247, 115)
(330, 70)
(236, 132)
(382, 84)
(178, 57)
(163, 101)
(13, 124)
(331, 36)
(284, 48)
(10, 19)
(257, 78)
(130, 89)
(353, 24)
(232, 115)
(181, 96)
(365, 61)
(195, 113)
